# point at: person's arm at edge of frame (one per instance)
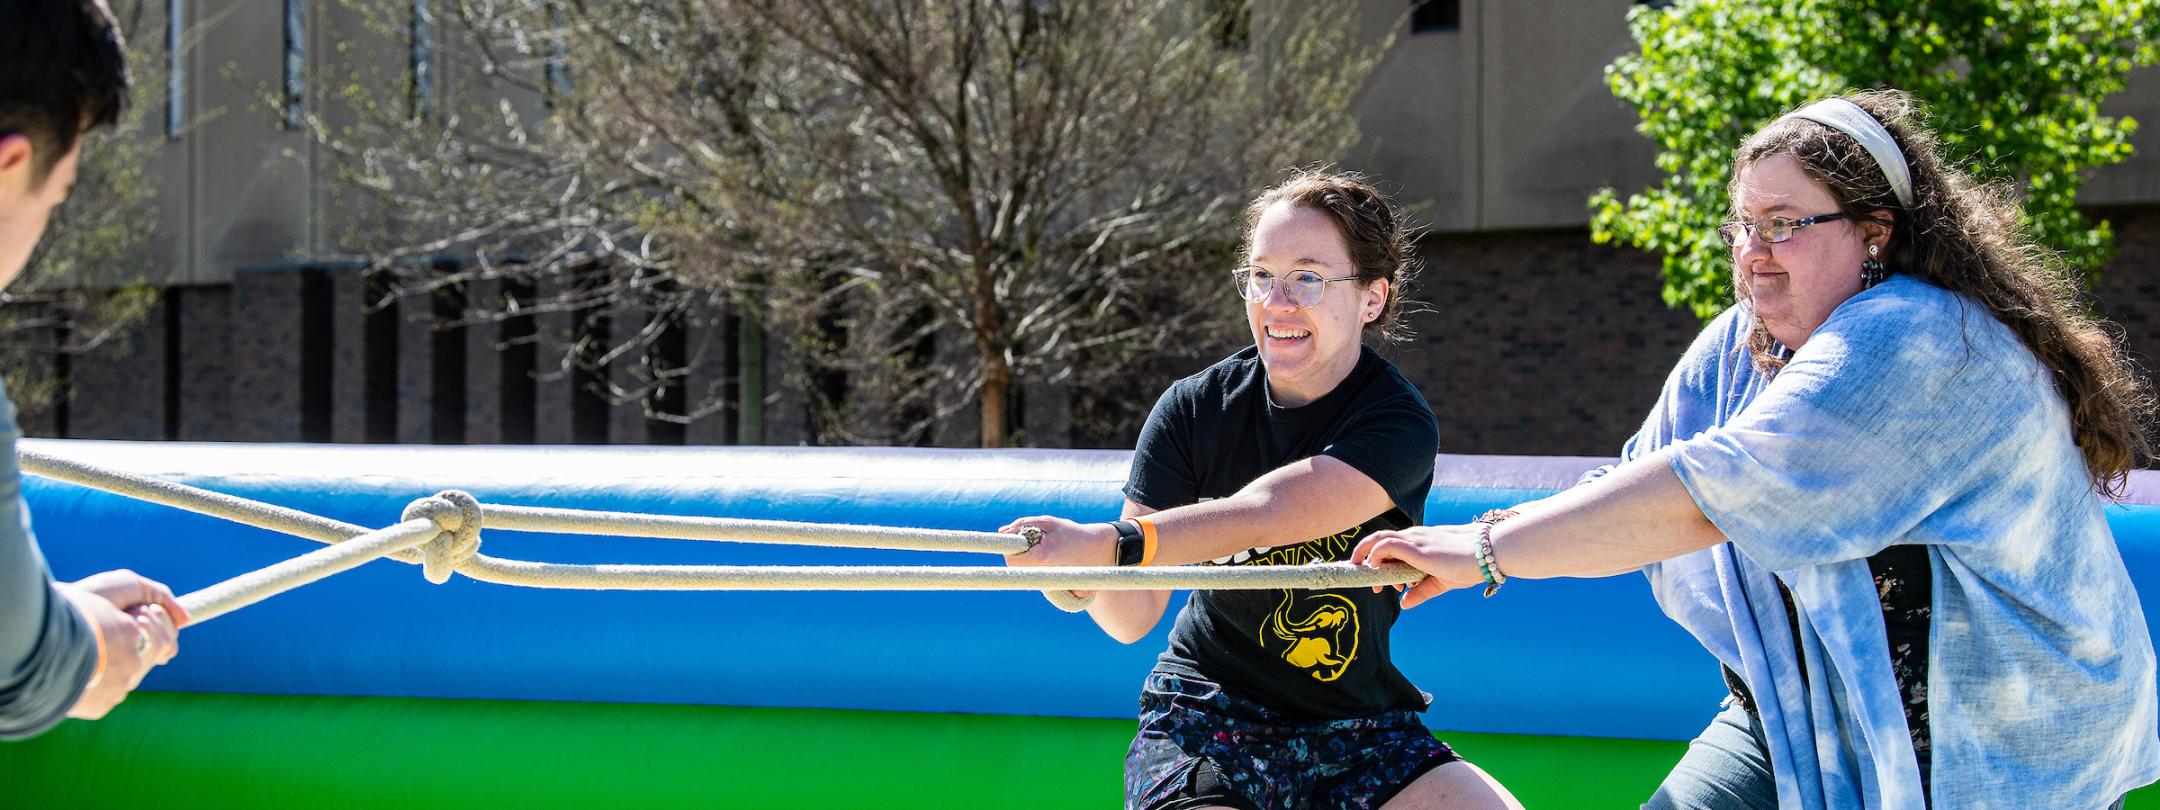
(1639, 514)
(1305, 499)
(65, 648)
(57, 639)
(49, 650)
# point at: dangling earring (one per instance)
(1872, 271)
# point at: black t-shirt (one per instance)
(1306, 654)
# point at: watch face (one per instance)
(1131, 544)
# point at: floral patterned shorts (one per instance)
(1199, 746)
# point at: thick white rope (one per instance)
(443, 533)
(255, 586)
(738, 530)
(929, 577)
(200, 501)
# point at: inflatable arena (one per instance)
(374, 687)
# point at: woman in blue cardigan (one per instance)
(1873, 490)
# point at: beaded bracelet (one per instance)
(1487, 566)
(1493, 578)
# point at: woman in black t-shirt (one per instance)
(1285, 453)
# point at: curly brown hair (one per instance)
(1380, 244)
(1963, 235)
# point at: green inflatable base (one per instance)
(186, 750)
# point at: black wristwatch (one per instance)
(1131, 543)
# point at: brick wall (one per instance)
(2129, 290)
(1540, 342)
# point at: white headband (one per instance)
(1847, 117)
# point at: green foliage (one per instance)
(2012, 87)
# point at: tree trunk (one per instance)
(996, 375)
(996, 391)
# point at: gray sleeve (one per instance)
(47, 651)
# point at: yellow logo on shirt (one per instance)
(1317, 632)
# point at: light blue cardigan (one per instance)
(1911, 416)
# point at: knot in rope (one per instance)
(458, 515)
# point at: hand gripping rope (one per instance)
(441, 533)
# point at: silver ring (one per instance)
(142, 641)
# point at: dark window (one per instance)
(828, 381)
(316, 336)
(379, 362)
(171, 303)
(668, 354)
(1435, 15)
(423, 60)
(63, 379)
(557, 76)
(295, 61)
(588, 380)
(731, 369)
(446, 389)
(175, 72)
(520, 360)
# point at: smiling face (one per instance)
(1795, 284)
(1310, 350)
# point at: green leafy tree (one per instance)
(2013, 87)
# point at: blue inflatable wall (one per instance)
(1589, 658)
